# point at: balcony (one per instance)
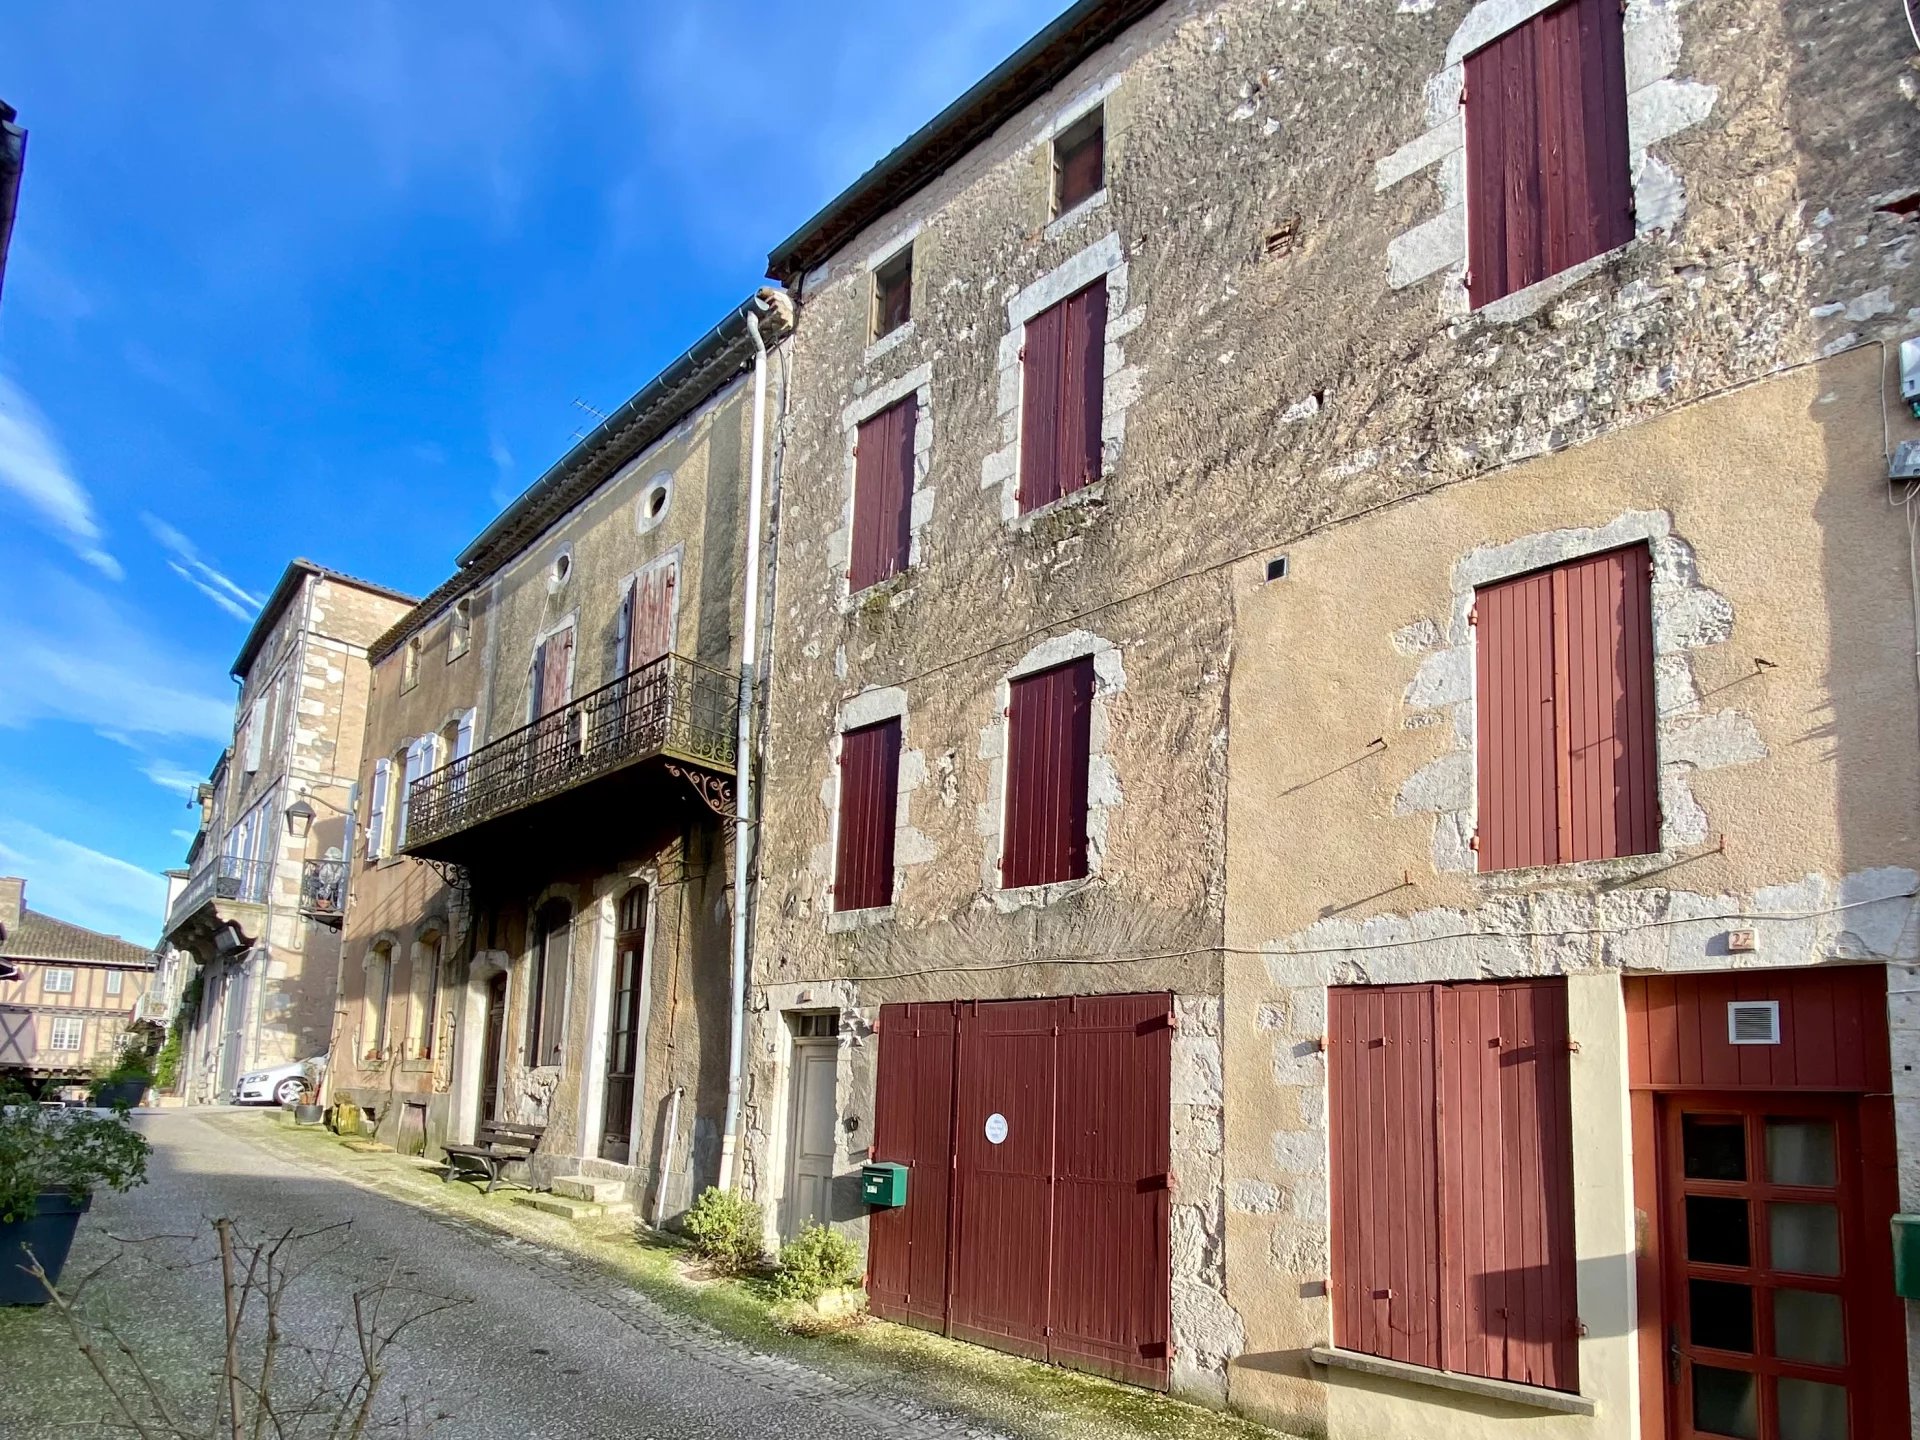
(323, 892)
(225, 891)
(673, 710)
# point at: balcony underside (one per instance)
(620, 813)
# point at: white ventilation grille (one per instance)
(1753, 1022)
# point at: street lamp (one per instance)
(299, 819)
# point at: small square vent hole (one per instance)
(1753, 1022)
(1277, 568)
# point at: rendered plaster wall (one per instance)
(608, 537)
(1790, 790)
(680, 852)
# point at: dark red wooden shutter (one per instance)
(1041, 358)
(913, 1126)
(1082, 385)
(1548, 181)
(1506, 1183)
(1049, 751)
(1566, 714)
(1386, 1245)
(1452, 1165)
(1065, 361)
(882, 495)
(869, 792)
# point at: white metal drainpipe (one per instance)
(743, 762)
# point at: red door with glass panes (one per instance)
(1763, 1270)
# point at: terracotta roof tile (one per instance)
(41, 937)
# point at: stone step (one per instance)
(568, 1209)
(585, 1187)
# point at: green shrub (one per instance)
(725, 1228)
(78, 1151)
(815, 1261)
(166, 1065)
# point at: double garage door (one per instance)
(1035, 1133)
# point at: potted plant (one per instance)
(122, 1084)
(51, 1162)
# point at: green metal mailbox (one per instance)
(1906, 1256)
(883, 1184)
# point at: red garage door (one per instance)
(1051, 1116)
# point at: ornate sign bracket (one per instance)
(715, 791)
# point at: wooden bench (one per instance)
(495, 1148)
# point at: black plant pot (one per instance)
(49, 1236)
(112, 1094)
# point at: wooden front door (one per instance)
(1760, 1198)
(813, 1127)
(623, 1022)
(496, 1034)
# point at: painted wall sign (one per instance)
(996, 1128)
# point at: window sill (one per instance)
(888, 594)
(893, 339)
(839, 922)
(1067, 219)
(1531, 1397)
(1009, 898)
(1093, 494)
(1530, 300)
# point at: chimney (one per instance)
(13, 899)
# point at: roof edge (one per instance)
(282, 592)
(681, 385)
(923, 156)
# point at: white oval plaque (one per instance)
(996, 1128)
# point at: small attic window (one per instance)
(410, 664)
(893, 292)
(1080, 160)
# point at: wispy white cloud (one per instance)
(76, 656)
(71, 881)
(35, 468)
(169, 776)
(185, 562)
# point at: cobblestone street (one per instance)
(542, 1346)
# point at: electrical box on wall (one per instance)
(1910, 373)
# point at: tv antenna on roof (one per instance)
(597, 414)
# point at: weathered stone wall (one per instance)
(1290, 354)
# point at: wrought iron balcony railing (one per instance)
(673, 707)
(323, 891)
(223, 878)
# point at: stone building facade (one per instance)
(407, 929)
(573, 853)
(261, 904)
(1323, 446)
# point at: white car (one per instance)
(282, 1085)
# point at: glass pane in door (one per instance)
(1717, 1230)
(1805, 1238)
(1799, 1152)
(1807, 1326)
(1810, 1410)
(1713, 1147)
(1722, 1315)
(1726, 1402)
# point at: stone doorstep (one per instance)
(586, 1187)
(568, 1209)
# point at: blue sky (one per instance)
(325, 280)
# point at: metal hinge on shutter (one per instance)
(1473, 612)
